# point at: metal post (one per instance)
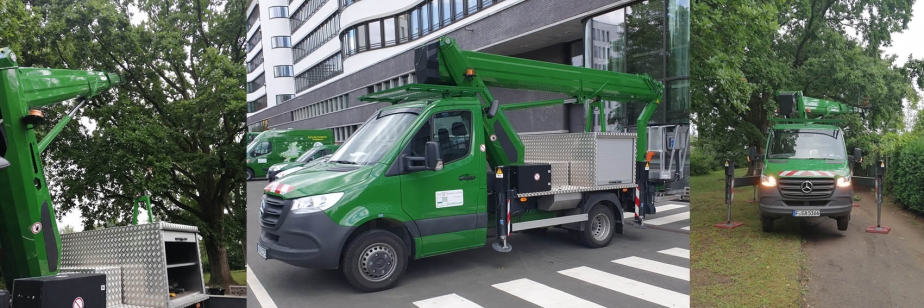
(880, 173)
(502, 210)
(729, 196)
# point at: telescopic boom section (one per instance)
(443, 62)
(795, 105)
(28, 231)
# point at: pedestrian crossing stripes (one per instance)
(447, 301)
(677, 252)
(546, 296)
(668, 219)
(656, 267)
(668, 215)
(640, 290)
(543, 295)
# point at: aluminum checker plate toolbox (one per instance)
(139, 252)
(592, 161)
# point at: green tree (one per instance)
(181, 113)
(744, 51)
(67, 229)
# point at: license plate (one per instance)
(806, 213)
(262, 251)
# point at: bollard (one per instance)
(880, 173)
(729, 196)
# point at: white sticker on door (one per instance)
(449, 198)
(261, 160)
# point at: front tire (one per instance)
(766, 222)
(374, 261)
(599, 228)
(249, 174)
(842, 223)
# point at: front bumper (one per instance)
(772, 204)
(271, 175)
(305, 240)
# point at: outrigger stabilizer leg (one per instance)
(502, 210)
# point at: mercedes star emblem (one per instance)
(807, 187)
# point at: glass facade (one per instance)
(303, 12)
(281, 41)
(279, 12)
(316, 38)
(283, 71)
(256, 83)
(648, 37)
(255, 62)
(257, 104)
(328, 68)
(409, 25)
(252, 18)
(254, 40)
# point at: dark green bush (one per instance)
(701, 162)
(907, 175)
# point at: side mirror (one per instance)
(432, 156)
(4, 163)
(857, 155)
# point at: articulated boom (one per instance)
(444, 63)
(794, 105)
(28, 232)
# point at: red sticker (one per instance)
(36, 228)
(78, 303)
(536, 177)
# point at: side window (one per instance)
(451, 129)
(261, 149)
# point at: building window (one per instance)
(253, 17)
(346, 3)
(320, 108)
(283, 97)
(316, 38)
(256, 62)
(257, 127)
(281, 41)
(321, 72)
(391, 83)
(256, 83)
(649, 37)
(343, 133)
(256, 105)
(279, 12)
(409, 25)
(254, 40)
(304, 12)
(284, 71)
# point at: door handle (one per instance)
(466, 177)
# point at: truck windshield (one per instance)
(807, 144)
(377, 136)
(308, 155)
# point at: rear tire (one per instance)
(598, 231)
(766, 223)
(249, 174)
(842, 223)
(374, 261)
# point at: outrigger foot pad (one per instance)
(501, 247)
(639, 224)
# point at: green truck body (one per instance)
(279, 146)
(807, 170)
(442, 168)
(312, 154)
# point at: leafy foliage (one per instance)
(906, 175)
(174, 130)
(745, 51)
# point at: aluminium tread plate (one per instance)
(567, 189)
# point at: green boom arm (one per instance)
(443, 62)
(795, 105)
(28, 231)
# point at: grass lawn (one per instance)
(742, 267)
(240, 276)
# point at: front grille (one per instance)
(271, 211)
(792, 188)
(806, 203)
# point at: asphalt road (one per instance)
(858, 269)
(642, 268)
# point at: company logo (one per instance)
(262, 205)
(807, 187)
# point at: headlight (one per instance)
(843, 181)
(767, 180)
(315, 203)
(274, 168)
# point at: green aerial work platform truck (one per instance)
(435, 171)
(278, 146)
(806, 167)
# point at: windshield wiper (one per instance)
(342, 162)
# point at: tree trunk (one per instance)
(758, 115)
(218, 264)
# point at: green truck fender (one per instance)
(361, 219)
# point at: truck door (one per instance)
(259, 154)
(445, 204)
